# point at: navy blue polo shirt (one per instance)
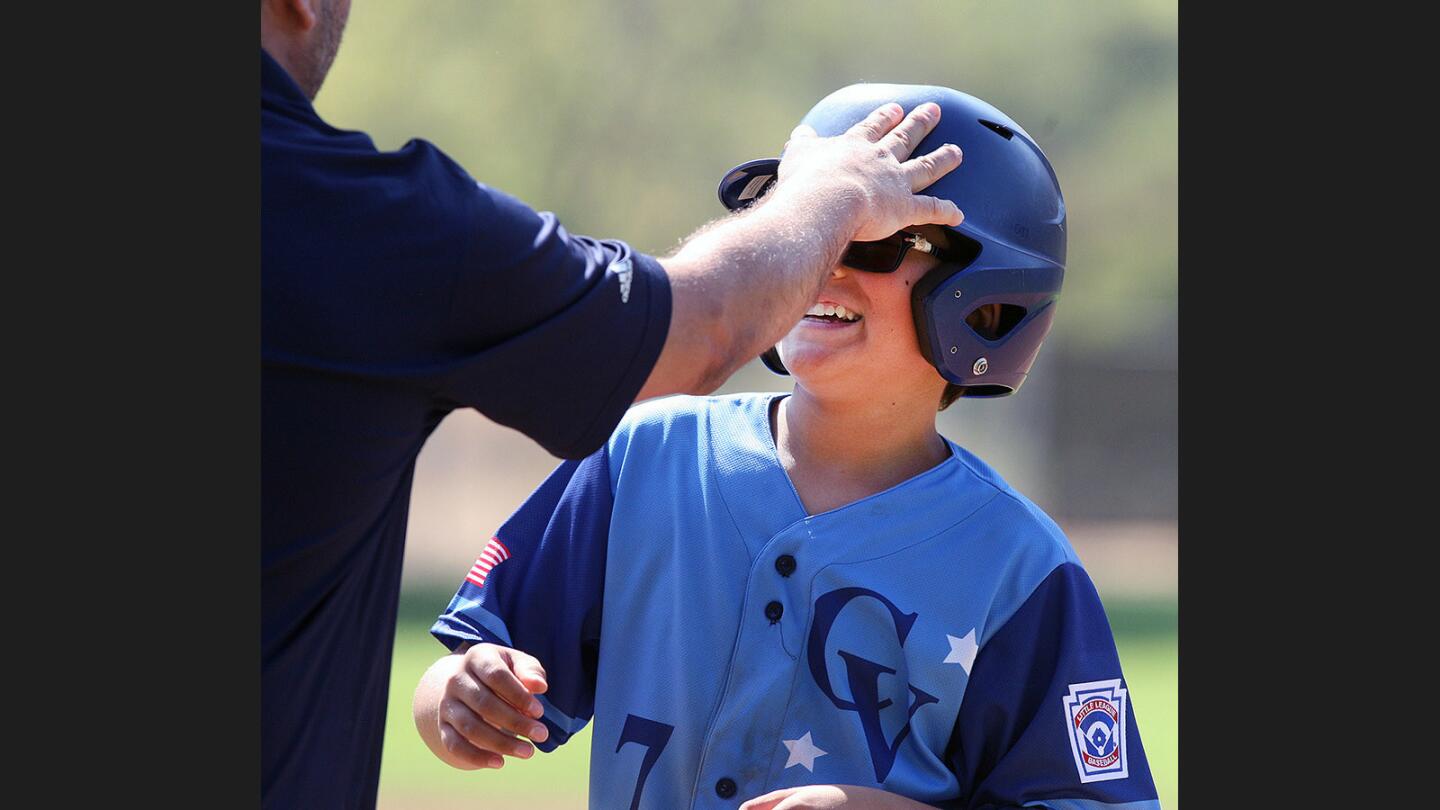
(395, 289)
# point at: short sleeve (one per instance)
(398, 270)
(1047, 719)
(554, 333)
(538, 586)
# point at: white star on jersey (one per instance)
(802, 752)
(962, 650)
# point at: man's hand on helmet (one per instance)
(870, 164)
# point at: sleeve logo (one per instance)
(624, 270)
(1095, 720)
(495, 553)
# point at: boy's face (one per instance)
(876, 354)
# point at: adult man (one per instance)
(395, 288)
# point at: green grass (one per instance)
(1146, 635)
(411, 778)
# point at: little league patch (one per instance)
(1095, 715)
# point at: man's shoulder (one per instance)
(290, 124)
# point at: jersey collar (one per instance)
(763, 502)
(280, 92)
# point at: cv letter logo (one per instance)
(863, 675)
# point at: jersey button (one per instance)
(785, 564)
(774, 611)
(725, 788)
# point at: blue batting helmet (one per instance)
(1014, 229)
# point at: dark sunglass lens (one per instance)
(874, 257)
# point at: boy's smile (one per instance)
(860, 328)
(828, 312)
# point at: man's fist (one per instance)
(472, 707)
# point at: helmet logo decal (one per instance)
(753, 188)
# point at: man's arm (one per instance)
(739, 284)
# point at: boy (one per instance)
(815, 600)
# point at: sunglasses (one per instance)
(886, 255)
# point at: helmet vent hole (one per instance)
(1001, 129)
(993, 324)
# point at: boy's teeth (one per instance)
(833, 310)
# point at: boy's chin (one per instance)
(821, 372)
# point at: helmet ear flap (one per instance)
(923, 327)
(771, 359)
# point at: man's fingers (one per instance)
(935, 211)
(801, 132)
(930, 167)
(480, 733)
(466, 753)
(493, 669)
(876, 124)
(903, 139)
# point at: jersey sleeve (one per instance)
(553, 333)
(1047, 720)
(538, 586)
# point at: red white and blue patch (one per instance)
(1095, 720)
(495, 553)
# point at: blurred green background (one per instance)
(622, 116)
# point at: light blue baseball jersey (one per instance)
(938, 640)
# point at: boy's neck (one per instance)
(837, 452)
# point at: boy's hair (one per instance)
(952, 392)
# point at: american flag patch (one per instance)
(495, 553)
